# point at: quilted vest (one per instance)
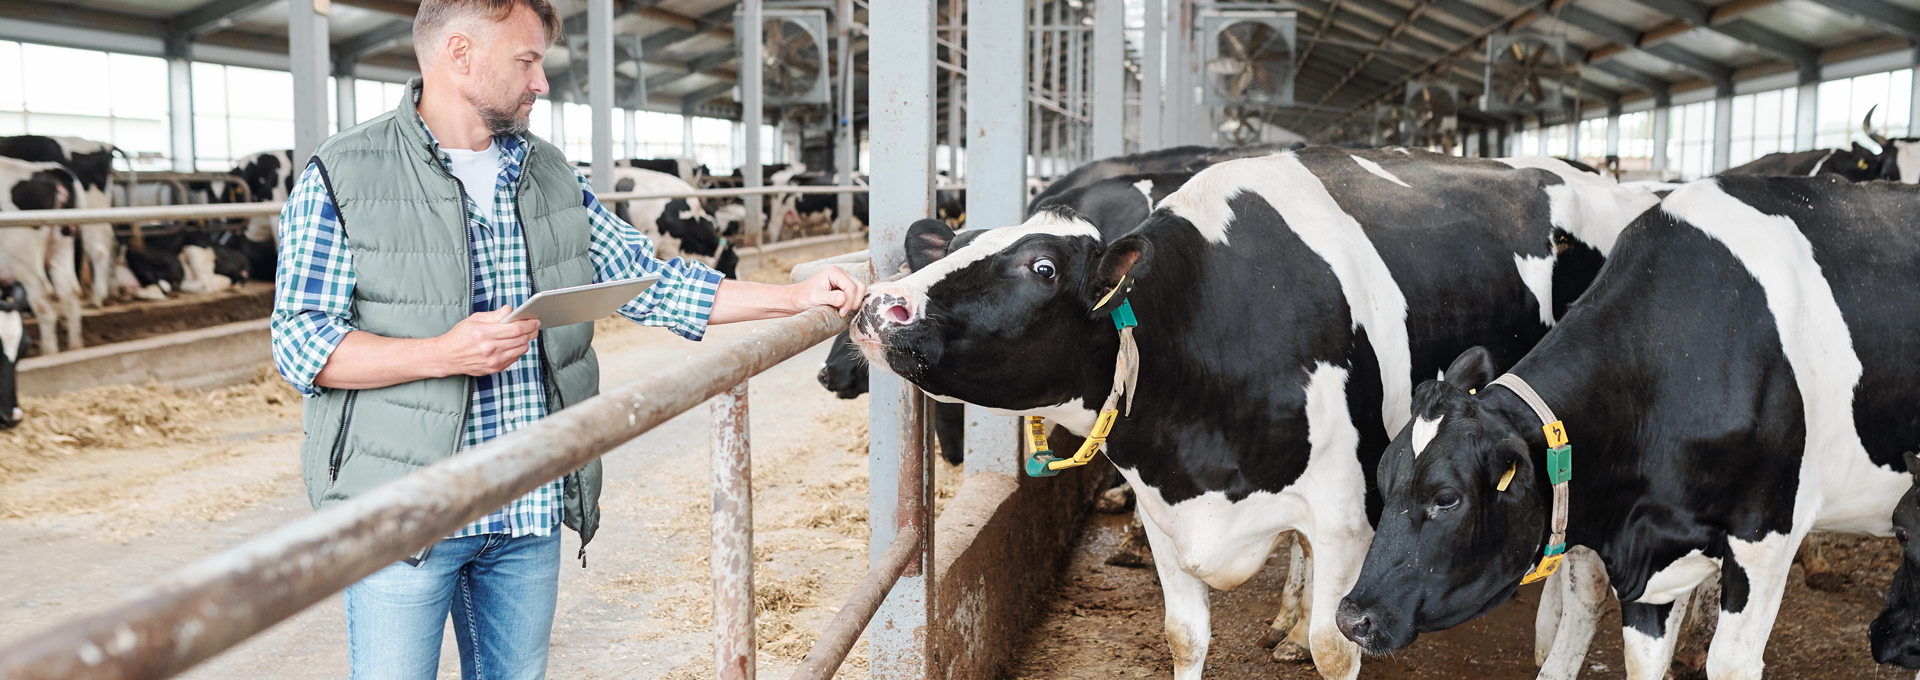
(404, 218)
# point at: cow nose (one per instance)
(826, 379)
(1354, 623)
(892, 310)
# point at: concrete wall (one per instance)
(198, 359)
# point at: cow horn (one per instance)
(1867, 125)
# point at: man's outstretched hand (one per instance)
(748, 301)
(830, 287)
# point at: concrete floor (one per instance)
(638, 610)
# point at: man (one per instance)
(404, 244)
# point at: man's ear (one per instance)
(1113, 276)
(1473, 369)
(927, 242)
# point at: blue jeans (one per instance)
(499, 590)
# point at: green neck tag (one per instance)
(1560, 463)
(1123, 315)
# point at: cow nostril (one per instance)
(899, 314)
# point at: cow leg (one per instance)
(1696, 633)
(1648, 635)
(1582, 582)
(66, 285)
(1546, 619)
(1338, 552)
(98, 241)
(1746, 618)
(1288, 636)
(39, 298)
(1189, 624)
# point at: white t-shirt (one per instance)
(478, 171)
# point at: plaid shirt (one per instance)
(313, 307)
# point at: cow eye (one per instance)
(1446, 500)
(1043, 267)
(1900, 534)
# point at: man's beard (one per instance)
(503, 120)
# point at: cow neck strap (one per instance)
(1559, 471)
(1126, 375)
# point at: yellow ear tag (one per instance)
(1548, 565)
(1508, 478)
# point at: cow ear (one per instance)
(927, 242)
(1510, 454)
(1115, 274)
(1913, 465)
(1473, 369)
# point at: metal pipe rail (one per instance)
(220, 211)
(211, 605)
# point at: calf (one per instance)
(13, 345)
(677, 226)
(1285, 306)
(41, 259)
(1739, 374)
(91, 164)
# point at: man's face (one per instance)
(505, 76)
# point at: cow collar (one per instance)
(1559, 470)
(1126, 373)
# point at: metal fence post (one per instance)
(307, 49)
(732, 557)
(996, 133)
(900, 103)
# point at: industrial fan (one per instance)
(1249, 58)
(793, 53)
(629, 87)
(1434, 110)
(1525, 74)
(1390, 126)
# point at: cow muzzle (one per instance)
(883, 313)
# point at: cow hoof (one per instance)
(1131, 559)
(1289, 652)
(1114, 501)
(1827, 582)
(1271, 638)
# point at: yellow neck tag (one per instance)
(1548, 565)
(1508, 478)
(1556, 434)
(1037, 435)
(1092, 446)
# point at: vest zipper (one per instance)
(460, 434)
(340, 442)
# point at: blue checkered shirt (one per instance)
(313, 307)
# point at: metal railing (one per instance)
(220, 211)
(214, 604)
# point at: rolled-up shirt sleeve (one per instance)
(313, 284)
(682, 300)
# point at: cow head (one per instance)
(1451, 546)
(1896, 632)
(997, 317)
(44, 190)
(261, 173)
(845, 374)
(13, 344)
(1894, 153)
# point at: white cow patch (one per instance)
(1423, 433)
(1823, 161)
(1373, 298)
(1072, 415)
(1841, 489)
(1907, 155)
(11, 331)
(1676, 580)
(1592, 208)
(1145, 187)
(1377, 170)
(915, 285)
(1537, 273)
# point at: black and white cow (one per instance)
(1740, 373)
(91, 163)
(1856, 165)
(41, 259)
(1178, 159)
(1895, 633)
(1902, 152)
(1287, 304)
(687, 169)
(679, 227)
(1116, 202)
(13, 345)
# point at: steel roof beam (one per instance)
(700, 65)
(211, 17)
(663, 39)
(381, 39)
(1692, 14)
(700, 96)
(1636, 78)
(1903, 22)
(1625, 36)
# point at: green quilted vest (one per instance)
(405, 221)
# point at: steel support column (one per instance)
(307, 49)
(632, 139)
(901, 89)
(748, 26)
(1662, 113)
(1806, 121)
(600, 91)
(1152, 74)
(686, 132)
(996, 175)
(1913, 107)
(847, 145)
(180, 103)
(1109, 90)
(1722, 129)
(345, 108)
(559, 116)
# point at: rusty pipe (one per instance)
(831, 649)
(213, 604)
(732, 556)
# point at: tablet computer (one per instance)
(580, 304)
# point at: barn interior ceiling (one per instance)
(1354, 55)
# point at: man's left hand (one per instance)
(830, 287)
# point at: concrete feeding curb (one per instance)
(206, 358)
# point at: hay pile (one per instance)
(129, 416)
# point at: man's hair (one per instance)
(437, 17)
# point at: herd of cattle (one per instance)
(1392, 352)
